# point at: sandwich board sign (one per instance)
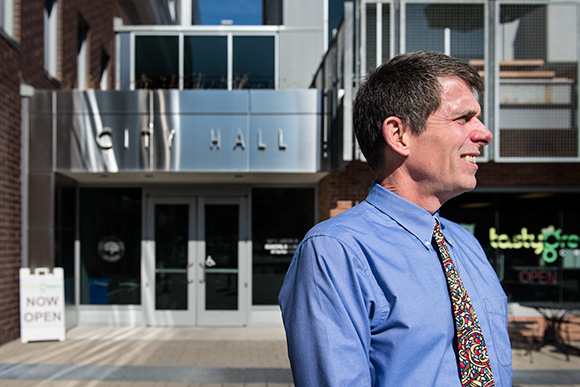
(42, 305)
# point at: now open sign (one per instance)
(42, 304)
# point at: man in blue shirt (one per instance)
(365, 301)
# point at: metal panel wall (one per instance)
(182, 131)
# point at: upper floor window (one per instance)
(104, 76)
(50, 36)
(7, 16)
(230, 61)
(206, 62)
(82, 54)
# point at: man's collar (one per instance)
(408, 215)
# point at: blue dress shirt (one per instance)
(365, 300)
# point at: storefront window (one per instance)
(110, 236)
(531, 239)
(64, 234)
(280, 219)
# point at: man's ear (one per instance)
(396, 133)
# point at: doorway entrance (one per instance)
(196, 261)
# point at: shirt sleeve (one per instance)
(327, 303)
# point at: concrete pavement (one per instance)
(199, 357)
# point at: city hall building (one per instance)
(177, 195)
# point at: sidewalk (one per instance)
(198, 357)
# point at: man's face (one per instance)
(442, 159)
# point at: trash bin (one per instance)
(99, 291)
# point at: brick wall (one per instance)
(345, 188)
(341, 190)
(550, 175)
(22, 60)
(10, 196)
(98, 15)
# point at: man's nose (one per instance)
(481, 134)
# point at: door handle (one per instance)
(202, 265)
(189, 280)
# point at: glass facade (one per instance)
(64, 233)
(206, 59)
(110, 238)
(531, 238)
(280, 219)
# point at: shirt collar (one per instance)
(411, 217)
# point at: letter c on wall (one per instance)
(104, 139)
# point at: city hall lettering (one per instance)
(104, 139)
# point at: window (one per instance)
(103, 83)
(82, 54)
(253, 62)
(7, 16)
(206, 62)
(110, 238)
(64, 235)
(157, 62)
(280, 219)
(209, 62)
(50, 37)
(531, 238)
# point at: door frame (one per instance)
(195, 315)
(225, 317)
(152, 316)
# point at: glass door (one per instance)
(223, 262)
(196, 262)
(169, 262)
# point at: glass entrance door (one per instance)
(223, 262)
(169, 262)
(194, 262)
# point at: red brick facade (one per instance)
(10, 195)
(342, 189)
(22, 61)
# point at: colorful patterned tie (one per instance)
(474, 367)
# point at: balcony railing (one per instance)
(526, 51)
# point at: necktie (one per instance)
(474, 367)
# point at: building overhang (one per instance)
(139, 178)
(180, 135)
